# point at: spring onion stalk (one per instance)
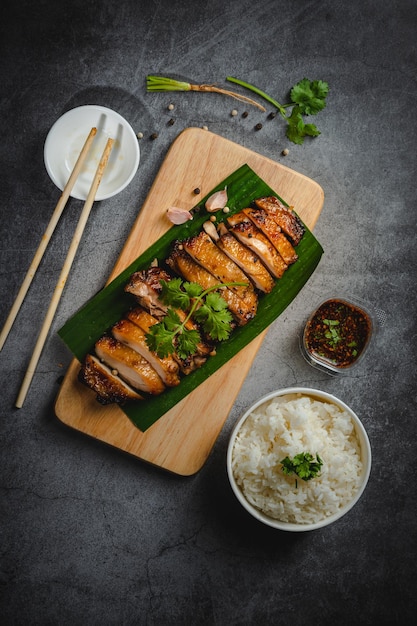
(161, 83)
(265, 96)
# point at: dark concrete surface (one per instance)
(92, 536)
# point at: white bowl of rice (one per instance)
(285, 426)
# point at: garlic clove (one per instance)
(211, 230)
(217, 200)
(177, 215)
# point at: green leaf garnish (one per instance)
(303, 465)
(307, 98)
(214, 317)
(310, 96)
(332, 334)
(206, 307)
(297, 129)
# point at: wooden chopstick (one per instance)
(64, 275)
(46, 238)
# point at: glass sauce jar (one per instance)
(336, 335)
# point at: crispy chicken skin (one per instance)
(204, 251)
(288, 221)
(248, 234)
(108, 386)
(142, 318)
(146, 287)
(134, 337)
(130, 365)
(266, 223)
(181, 262)
(247, 260)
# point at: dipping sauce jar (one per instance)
(336, 335)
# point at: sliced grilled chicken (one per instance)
(247, 260)
(181, 262)
(205, 252)
(248, 234)
(145, 320)
(266, 223)
(142, 318)
(254, 248)
(130, 365)
(146, 286)
(289, 222)
(134, 336)
(108, 386)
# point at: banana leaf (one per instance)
(97, 316)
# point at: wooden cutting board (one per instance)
(181, 440)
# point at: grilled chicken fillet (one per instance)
(107, 385)
(247, 260)
(134, 336)
(266, 223)
(130, 365)
(288, 221)
(181, 262)
(248, 234)
(204, 251)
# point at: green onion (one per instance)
(159, 83)
(162, 83)
(275, 103)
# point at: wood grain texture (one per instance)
(182, 439)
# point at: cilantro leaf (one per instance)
(187, 342)
(207, 307)
(193, 289)
(297, 129)
(173, 294)
(310, 96)
(311, 130)
(303, 465)
(159, 340)
(171, 320)
(215, 317)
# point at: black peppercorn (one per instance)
(258, 126)
(154, 136)
(171, 122)
(196, 191)
(245, 114)
(272, 115)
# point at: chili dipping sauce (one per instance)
(337, 333)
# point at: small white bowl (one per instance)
(66, 138)
(366, 458)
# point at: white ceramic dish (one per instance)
(66, 139)
(366, 458)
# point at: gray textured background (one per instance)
(92, 536)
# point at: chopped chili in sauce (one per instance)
(338, 332)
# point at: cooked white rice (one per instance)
(286, 426)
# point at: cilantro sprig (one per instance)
(307, 97)
(205, 306)
(304, 465)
